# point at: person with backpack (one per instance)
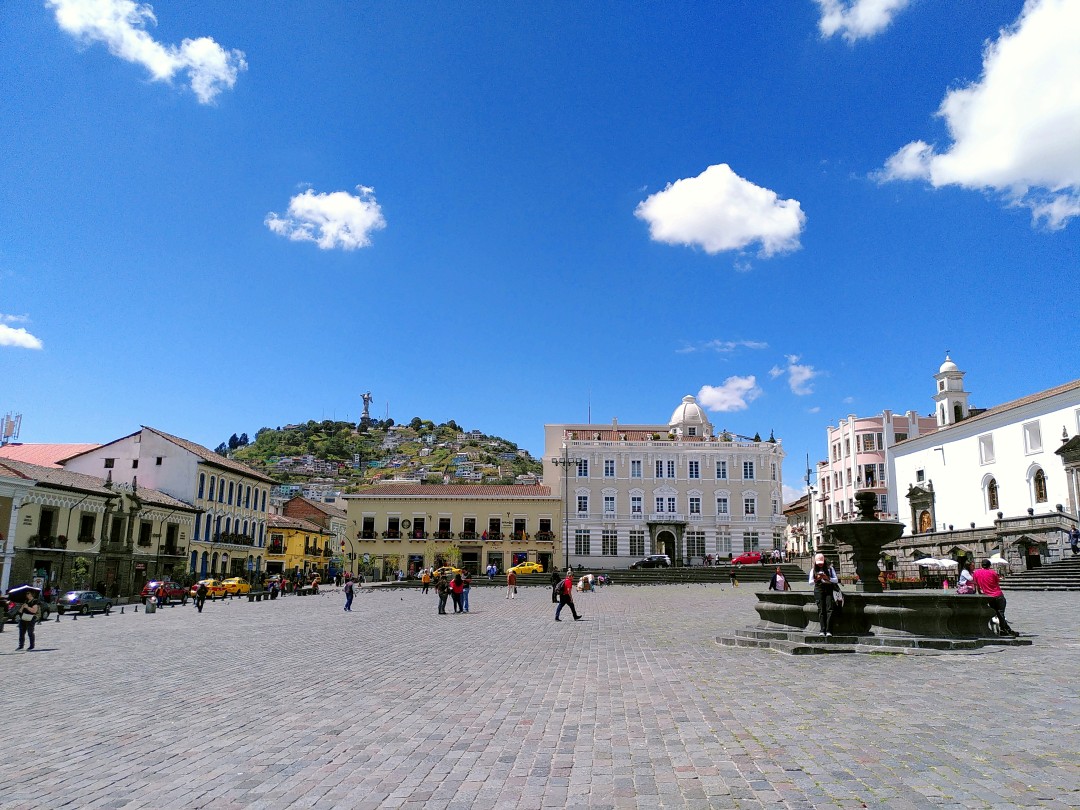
(555, 582)
(443, 590)
(566, 597)
(348, 595)
(200, 596)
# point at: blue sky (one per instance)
(508, 213)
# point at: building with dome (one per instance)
(1001, 479)
(675, 488)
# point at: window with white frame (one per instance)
(721, 469)
(659, 504)
(609, 504)
(635, 468)
(721, 505)
(695, 505)
(583, 468)
(1038, 484)
(986, 449)
(581, 542)
(723, 542)
(609, 543)
(671, 505)
(775, 506)
(777, 539)
(671, 469)
(637, 542)
(751, 541)
(748, 470)
(582, 504)
(749, 505)
(883, 502)
(659, 469)
(635, 504)
(1032, 438)
(772, 472)
(693, 469)
(695, 544)
(609, 468)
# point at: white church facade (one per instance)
(989, 480)
(675, 488)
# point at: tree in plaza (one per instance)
(442, 552)
(80, 572)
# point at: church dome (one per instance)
(947, 366)
(690, 414)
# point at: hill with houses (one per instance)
(345, 456)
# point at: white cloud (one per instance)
(791, 494)
(848, 400)
(333, 220)
(734, 395)
(815, 409)
(1017, 130)
(719, 211)
(722, 346)
(121, 26)
(19, 338)
(857, 19)
(799, 376)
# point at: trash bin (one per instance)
(151, 606)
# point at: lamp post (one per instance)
(565, 461)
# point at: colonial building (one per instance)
(798, 537)
(332, 520)
(674, 488)
(857, 461)
(297, 546)
(408, 527)
(70, 530)
(229, 536)
(989, 480)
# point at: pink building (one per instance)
(857, 461)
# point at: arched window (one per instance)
(245, 528)
(992, 496)
(230, 492)
(217, 527)
(198, 519)
(205, 560)
(213, 483)
(202, 484)
(247, 497)
(221, 491)
(261, 535)
(958, 412)
(263, 507)
(209, 520)
(228, 525)
(1039, 484)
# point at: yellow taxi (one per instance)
(214, 589)
(446, 571)
(236, 585)
(528, 568)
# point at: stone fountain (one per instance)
(871, 618)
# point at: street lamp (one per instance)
(224, 563)
(565, 461)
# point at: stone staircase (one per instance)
(752, 575)
(1063, 575)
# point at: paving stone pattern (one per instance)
(296, 703)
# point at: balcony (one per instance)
(367, 534)
(467, 536)
(667, 517)
(35, 541)
(545, 537)
(418, 536)
(172, 550)
(443, 535)
(725, 518)
(519, 537)
(695, 517)
(391, 534)
(494, 537)
(233, 539)
(275, 548)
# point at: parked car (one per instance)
(653, 561)
(214, 589)
(237, 585)
(747, 558)
(446, 571)
(174, 591)
(83, 603)
(528, 568)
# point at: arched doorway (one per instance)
(665, 544)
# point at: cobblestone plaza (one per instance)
(296, 703)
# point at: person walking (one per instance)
(425, 580)
(566, 597)
(988, 583)
(733, 576)
(349, 591)
(779, 581)
(28, 615)
(466, 586)
(1074, 540)
(511, 584)
(443, 590)
(200, 596)
(825, 582)
(161, 598)
(555, 580)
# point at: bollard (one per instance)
(136, 608)
(58, 615)
(121, 610)
(74, 617)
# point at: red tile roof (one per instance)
(283, 522)
(44, 455)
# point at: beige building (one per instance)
(69, 530)
(408, 527)
(673, 488)
(297, 547)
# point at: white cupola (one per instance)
(950, 398)
(689, 420)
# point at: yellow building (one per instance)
(297, 546)
(407, 527)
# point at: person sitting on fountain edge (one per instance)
(988, 583)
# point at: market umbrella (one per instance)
(22, 590)
(997, 559)
(944, 563)
(929, 562)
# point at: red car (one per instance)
(174, 591)
(747, 558)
